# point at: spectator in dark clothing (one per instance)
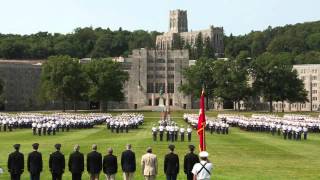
(57, 163)
(128, 163)
(171, 164)
(76, 163)
(35, 163)
(190, 160)
(110, 165)
(16, 163)
(94, 163)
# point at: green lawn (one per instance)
(239, 155)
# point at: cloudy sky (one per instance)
(236, 16)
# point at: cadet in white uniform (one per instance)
(202, 170)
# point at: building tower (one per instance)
(178, 21)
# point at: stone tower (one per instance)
(178, 21)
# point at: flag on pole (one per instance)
(202, 124)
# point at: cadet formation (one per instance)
(290, 126)
(50, 124)
(123, 122)
(170, 131)
(194, 166)
(213, 125)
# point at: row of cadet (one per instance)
(213, 125)
(172, 131)
(290, 126)
(195, 167)
(123, 122)
(42, 124)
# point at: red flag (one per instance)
(202, 124)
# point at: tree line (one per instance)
(83, 42)
(300, 41)
(67, 80)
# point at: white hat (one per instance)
(203, 154)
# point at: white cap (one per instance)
(203, 154)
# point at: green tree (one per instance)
(208, 51)
(62, 79)
(178, 42)
(274, 78)
(103, 47)
(197, 77)
(313, 41)
(199, 46)
(106, 80)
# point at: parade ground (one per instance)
(238, 155)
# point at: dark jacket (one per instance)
(57, 162)
(190, 160)
(110, 165)
(35, 162)
(76, 162)
(16, 163)
(94, 162)
(171, 164)
(128, 161)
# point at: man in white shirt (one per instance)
(202, 170)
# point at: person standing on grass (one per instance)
(128, 163)
(57, 163)
(190, 160)
(202, 170)
(171, 164)
(94, 163)
(16, 163)
(35, 163)
(149, 164)
(110, 165)
(76, 163)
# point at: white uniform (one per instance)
(205, 172)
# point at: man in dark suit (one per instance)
(76, 163)
(190, 160)
(34, 163)
(16, 163)
(128, 163)
(110, 165)
(171, 164)
(94, 163)
(57, 163)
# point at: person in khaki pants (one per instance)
(149, 165)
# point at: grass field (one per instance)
(239, 155)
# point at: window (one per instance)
(160, 61)
(170, 76)
(314, 77)
(314, 84)
(158, 86)
(160, 68)
(170, 88)
(160, 76)
(150, 68)
(170, 61)
(303, 78)
(150, 76)
(150, 88)
(170, 68)
(314, 98)
(314, 91)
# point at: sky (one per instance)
(235, 16)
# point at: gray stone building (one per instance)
(152, 70)
(149, 71)
(178, 26)
(21, 80)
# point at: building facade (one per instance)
(310, 75)
(178, 26)
(151, 71)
